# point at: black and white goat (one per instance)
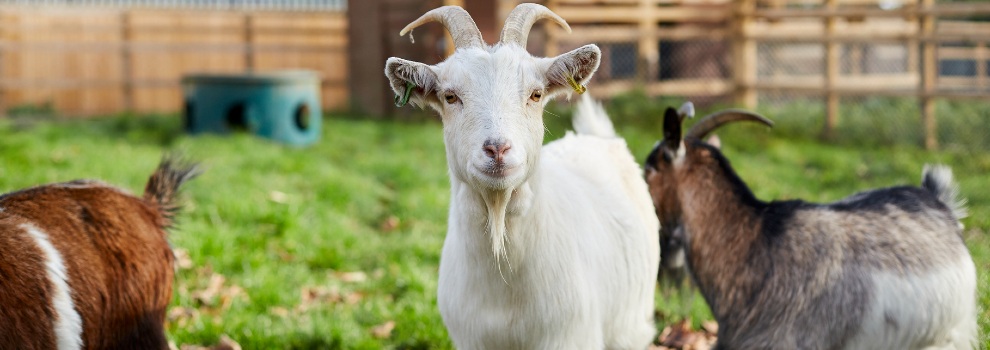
(84, 265)
(882, 269)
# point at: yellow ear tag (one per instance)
(580, 89)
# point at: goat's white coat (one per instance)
(582, 254)
(892, 322)
(68, 323)
(547, 246)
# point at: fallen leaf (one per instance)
(352, 277)
(316, 296)
(383, 330)
(227, 344)
(207, 296)
(182, 260)
(389, 224)
(229, 294)
(710, 326)
(181, 316)
(664, 333)
(284, 255)
(278, 197)
(279, 311)
(353, 298)
(680, 336)
(217, 295)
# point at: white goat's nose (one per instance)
(496, 149)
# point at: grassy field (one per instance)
(337, 245)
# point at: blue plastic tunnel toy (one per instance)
(283, 106)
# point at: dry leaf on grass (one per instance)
(278, 197)
(317, 296)
(710, 326)
(229, 294)
(215, 292)
(207, 296)
(181, 315)
(383, 330)
(680, 336)
(182, 260)
(352, 277)
(225, 343)
(284, 255)
(279, 311)
(389, 224)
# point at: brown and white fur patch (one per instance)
(85, 265)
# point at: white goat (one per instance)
(882, 269)
(86, 265)
(547, 247)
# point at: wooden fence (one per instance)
(93, 60)
(828, 35)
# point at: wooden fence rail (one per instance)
(91, 60)
(811, 41)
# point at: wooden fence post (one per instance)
(648, 50)
(981, 64)
(744, 55)
(913, 44)
(551, 47)
(249, 35)
(929, 74)
(832, 53)
(126, 66)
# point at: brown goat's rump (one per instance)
(87, 264)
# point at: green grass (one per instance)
(278, 221)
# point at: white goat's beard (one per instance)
(497, 203)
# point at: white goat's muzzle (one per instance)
(498, 164)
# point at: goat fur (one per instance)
(547, 247)
(882, 269)
(86, 265)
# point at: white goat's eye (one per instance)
(536, 96)
(450, 97)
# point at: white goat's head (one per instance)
(491, 98)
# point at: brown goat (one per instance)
(86, 265)
(881, 269)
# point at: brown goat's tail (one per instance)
(163, 186)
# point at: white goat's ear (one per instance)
(715, 141)
(574, 67)
(404, 75)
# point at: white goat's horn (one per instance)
(457, 21)
(521, 19)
